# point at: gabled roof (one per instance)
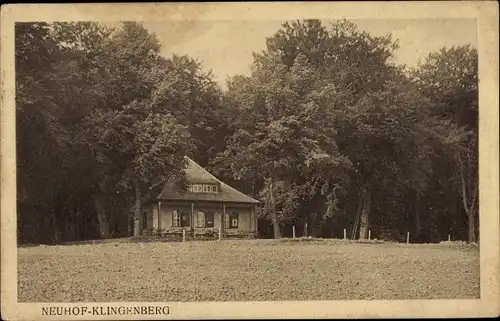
(197, 174)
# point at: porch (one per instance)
(199, 219)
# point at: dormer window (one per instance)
(203, 188)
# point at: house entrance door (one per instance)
(209, 219)
(185, 218)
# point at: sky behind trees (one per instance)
(226, 47)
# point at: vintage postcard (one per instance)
(249, 160)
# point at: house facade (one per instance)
(207, 207)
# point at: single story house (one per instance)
(199, 209)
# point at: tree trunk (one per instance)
(365, 214)
(111, 220)
(469, 205)
(56, 235)
(276, 229)
(55, 226)
(355, 226)
(130, 223)
(472, 225)
(73, 225)
(417, 216)
(78, 223)
(476, 226)
(70, 227)
(101, 215)
(137, 209)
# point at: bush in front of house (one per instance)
(240, 234)
(174, 234)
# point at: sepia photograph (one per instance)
(276, 159)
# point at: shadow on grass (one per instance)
(310, 239)
(299, 240)
(329, 240)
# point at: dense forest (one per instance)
(327, 130)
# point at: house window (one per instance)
(202, 188)
(200, 219)
(233, 220)
(176, 218)
(205, 219)
(180, 218)
(209, 219)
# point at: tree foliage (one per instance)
(449, 78)
(327, 131)
(331, 119)
(96, 124)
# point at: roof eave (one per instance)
(255, 202)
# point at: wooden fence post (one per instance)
(345, 234)
(183, 235)
(369, 235)
(408, 238)
(293, 230)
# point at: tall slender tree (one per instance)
(449, 78)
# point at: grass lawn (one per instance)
(246, 270)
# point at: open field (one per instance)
(246, 270)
